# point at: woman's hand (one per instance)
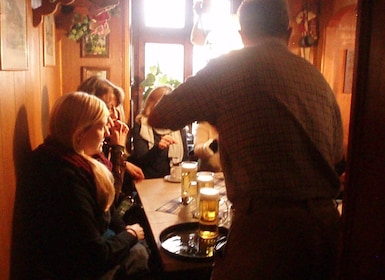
(135, 171)
(136, 230)
(115, 114)
(166, 141)
(118, 132)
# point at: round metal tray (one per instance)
(183, 242)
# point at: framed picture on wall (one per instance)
(87, 72)
(348, 77)
(95, 46)
(49, 40)
(13, 35)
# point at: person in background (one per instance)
(281, 136)
(65, 206)
(155, 148)
(206, 147)
(114, 147)
(110, 93)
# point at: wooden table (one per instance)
(153, 194)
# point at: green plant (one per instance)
(155, 78)
(80, 27)
(93, 27)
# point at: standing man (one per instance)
(281, 135)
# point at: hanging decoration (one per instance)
(307, 19)
(94, 26)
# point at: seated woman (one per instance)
(155, 148)
(206, 147)
(114, 146)
(65, 204)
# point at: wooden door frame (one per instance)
(363, 239)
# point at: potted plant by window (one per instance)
(154, 78)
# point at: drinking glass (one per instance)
(205, 179)
(209, 213)
(189, 174)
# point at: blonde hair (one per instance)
(152, 99)
(74, 113)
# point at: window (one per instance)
(169, 57)
(161, 32)
(164, 13)
(160, 36)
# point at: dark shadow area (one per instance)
(201, 274)
(22, 152)
(22, 157)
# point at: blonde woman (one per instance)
(65, 206)
(155, 148)
(114, 147)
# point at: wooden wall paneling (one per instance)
(4, 260)
(346, 36)
(35, 86)
(21, 147)
(340, 35)
(70, 52)
(14, 151)
(71, 65)
(6, 97)
(125, 46)
(52, 89)
(8, 116)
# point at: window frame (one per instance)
(140, 35)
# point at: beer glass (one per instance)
(189, 174)
(209, 213)
(205, 179)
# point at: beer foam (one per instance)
(189, 166)
(205, 178)
(209, 194)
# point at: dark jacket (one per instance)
(154, 162)
(61, 226)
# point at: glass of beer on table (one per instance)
(205, 179)
(189, 174)
(208, 213)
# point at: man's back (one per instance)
(277, 119)
(280, 135)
